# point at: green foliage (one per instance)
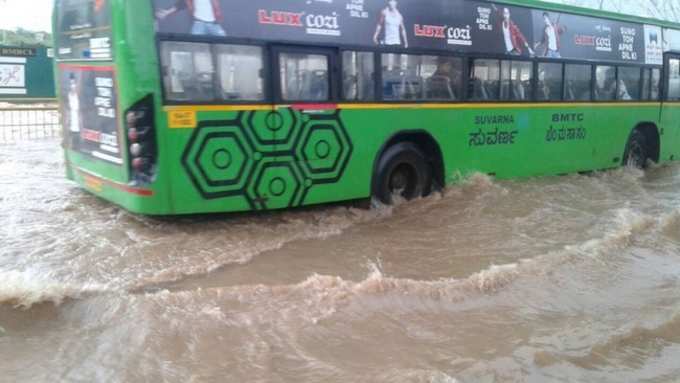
(22, 37)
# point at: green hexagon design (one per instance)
(274, 130)
(213, 172)
(277, 183)
(221, 159)
(324, 150)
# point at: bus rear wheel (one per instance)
(402, 172)
(637, 151)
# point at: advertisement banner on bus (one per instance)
(455, 25)
(89, 111)
(653, 45)
(560, 35)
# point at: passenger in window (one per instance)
(444, 82)
(552, 32)
(623, 92)
(207, 15)
(513, 38)
(391, 23)
(606, 85)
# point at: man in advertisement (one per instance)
(73, 116)
(391, 22)
(206, 14)
(513, 38)
(552, 32)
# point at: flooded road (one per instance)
(564, 279)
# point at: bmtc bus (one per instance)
(198, 106)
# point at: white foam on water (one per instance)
(25, 289)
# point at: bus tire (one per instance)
(402, 170)
(637, 152)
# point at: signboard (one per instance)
(17, 52)
(12, 76)
(90, 111)
(83, 29)
(25, 73)
(458, 25)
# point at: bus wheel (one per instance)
(402, 171)
(637, 151)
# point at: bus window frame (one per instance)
(537, 64)
(271, 77)
(266, 68)
(380, 51)
(341, 65)
(331, 53)
(640, 81)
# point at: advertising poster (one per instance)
(12, 77)
(89, 111)
(84, 29)
(653, 45)
(456, 25)
(578, 37)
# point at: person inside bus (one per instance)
(392, 24)
(623, 93)
(206, 15)
(444, 82)
(513, 38)
(552, 32)
(605, 89)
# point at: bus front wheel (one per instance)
(637, 151)
(402, 172)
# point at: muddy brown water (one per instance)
(563, 279)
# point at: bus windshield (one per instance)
(83, 29)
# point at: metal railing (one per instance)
(27, 122)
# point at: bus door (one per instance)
(670, 110)
(304, 101)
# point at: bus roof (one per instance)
(582, 11)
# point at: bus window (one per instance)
(304, 77)
(357, 76)
(645, 93)
(674, 79)
(188, 71)
(578, 79)
(605, 83)
(401, 75)
(656, 84)
(485, 78)
(549, 82)
(445, 82)
(239, 70)
(629, 84)
(516, 80)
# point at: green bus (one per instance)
(198, 106)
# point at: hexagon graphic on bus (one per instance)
(324, 149)
(277, 183)
(219, 158)
(273, 130)
(271, 158)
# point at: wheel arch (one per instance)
(653, 137)
(425, 142)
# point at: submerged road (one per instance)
(564, 279)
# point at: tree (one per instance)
(658, 9)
